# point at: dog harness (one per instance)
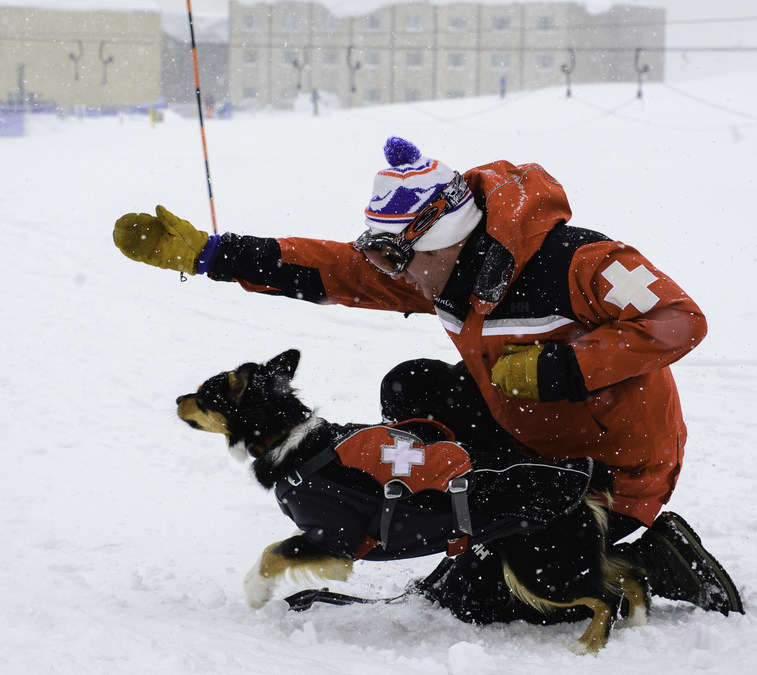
(389, 492)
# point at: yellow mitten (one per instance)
(515, 372)
(166, 241)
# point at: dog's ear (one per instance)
(238, 380)
(285, 363)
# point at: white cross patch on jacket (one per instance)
(402, 456)
(630, 287)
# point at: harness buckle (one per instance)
(294, 478)
(458, 484)
(393, 490)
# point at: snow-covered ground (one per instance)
(126, 535)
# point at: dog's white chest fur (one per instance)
(278, 454)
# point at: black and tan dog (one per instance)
(399, 491)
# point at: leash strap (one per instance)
(299, 602)
(303, 600)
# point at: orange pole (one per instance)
(202, 124)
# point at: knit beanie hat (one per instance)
(409, 184)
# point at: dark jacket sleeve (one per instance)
(256, 263)
(315, 270)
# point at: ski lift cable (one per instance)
(615, 112)
(602, 112)
(711, 104)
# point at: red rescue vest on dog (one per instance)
(394, 455)
(391, 492)
(397, 458)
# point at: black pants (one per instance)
(471, 585)
(437, 390)
(432, 389)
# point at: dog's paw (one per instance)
(258, 592)
(239, 452)
(639, 617)
(581, 648)
(257, 588)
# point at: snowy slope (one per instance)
(126, 535)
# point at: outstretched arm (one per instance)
(325, 272)
(316, 270)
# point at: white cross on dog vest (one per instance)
(402, 456)
(394, 455)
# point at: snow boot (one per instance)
(680, 568)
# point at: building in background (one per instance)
(266, 54)
(74, 59)
(212, 40)
(416, 51)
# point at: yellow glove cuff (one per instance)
(515, 373)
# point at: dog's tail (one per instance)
(601, 478)
(600, 492)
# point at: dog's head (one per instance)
(253, 405)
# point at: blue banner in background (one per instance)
(11, 121)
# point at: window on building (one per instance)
(456, 60)
(249, 21)
(455, 93)
(413, 95)
(456, 24)
(250, 56)
(372, 22)
(371, 96)
(249, 92)
(414, 23)
(500, 61)
(545, 23)
(292, 57)
(414, 59)
(330, 22)
(544, 61)
(291, 22)
(500, 23)
(330, 58)
(371, 60)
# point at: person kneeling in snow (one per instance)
(566, 339)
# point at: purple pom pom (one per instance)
(398, 151)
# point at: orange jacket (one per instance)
(613, 323)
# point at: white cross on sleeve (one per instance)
(402, 456)
(630, 287)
